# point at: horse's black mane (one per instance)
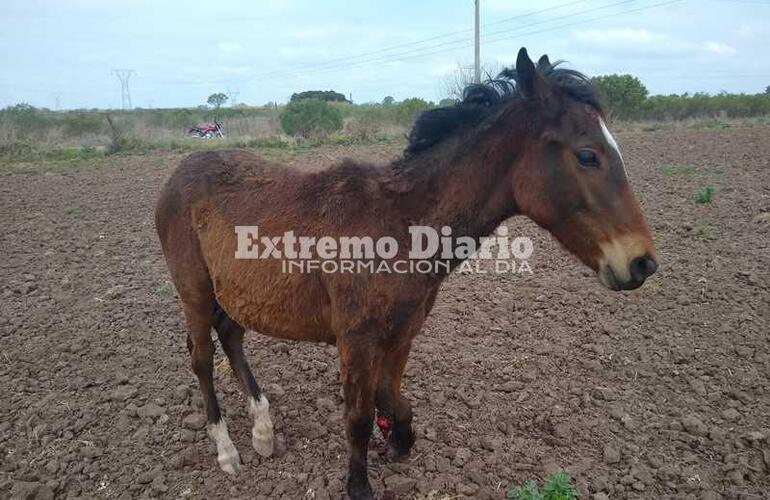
(482, 100)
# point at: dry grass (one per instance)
(696, 123)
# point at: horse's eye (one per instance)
(587, 158)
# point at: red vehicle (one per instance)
(206, 130)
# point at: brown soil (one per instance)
(659, 393)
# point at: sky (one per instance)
(60, 54)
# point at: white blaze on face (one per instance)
(262, 432)
(227, 454)
(611, 141)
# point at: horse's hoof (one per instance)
(230, 463)
(262, 431)
(227, 453)
(360, 491)
(395, 454)
(262, 443)
(400, 446)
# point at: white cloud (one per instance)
(315, 32)
(631, 43)
(516, 7)
(233, 70)
(443, 69)
(230, 47)
(718, 48)
(745, 30)
(303, 53)
(91, 57)
(623, 36)
(642, 42)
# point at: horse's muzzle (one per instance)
(639, 269)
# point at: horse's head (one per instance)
(571, 180)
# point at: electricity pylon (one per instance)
(125, 93)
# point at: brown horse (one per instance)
(533, 143)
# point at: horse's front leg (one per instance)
(392, 405)
(359, 365)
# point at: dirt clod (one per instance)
(194, 421)
(150, 410)
(400, 485)
(611, 455)
(694, 425)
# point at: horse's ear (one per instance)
(525, 73)
(531, 83)
(543, 62)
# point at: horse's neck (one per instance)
(469, 192)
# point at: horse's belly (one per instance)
(259, 293)
(275, 304)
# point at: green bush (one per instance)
(310, 117)
(26, 120)
(702, 105)
(408, 109)
(627, 98)
(79, 124)
(705, 195)
(557, 487)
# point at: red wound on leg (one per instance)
(384, 424)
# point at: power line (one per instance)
(420, 51)
(349, 58)
(408, 55)
(336, 64)
(747, 2)
(530, 14)
(597, 18)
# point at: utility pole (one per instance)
(125, 93)
(477, 49)
(57, 100)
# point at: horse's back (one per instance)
(208, 172)
(208, 176)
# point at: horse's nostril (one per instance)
(643, 267)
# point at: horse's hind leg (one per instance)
(201, 346)
(231, 336)
(193, 284)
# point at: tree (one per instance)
(454, 82)
(321, 95)
(217, 100)
(623, 95)
(767, 90)
(310, 117)
(388, 100)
